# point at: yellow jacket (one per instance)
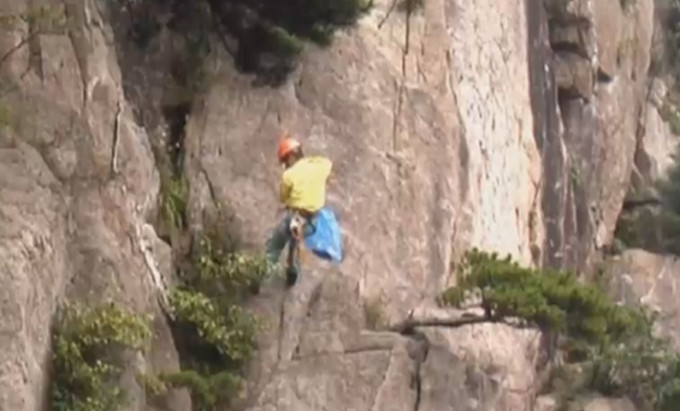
(303, 186)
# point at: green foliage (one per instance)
(271, 33)
(575, 177)
(174, 190)
(6, 118)
(670, 115)
(209, 391)
(43, 19)
(626, 5)
(217, 334)
(222, 273)
(552, 300)
(87, 344)
(655, 228)
(672, 35)
(265, 36)
(173, 199)
(615, 344)
(229, 329)
(375, 314)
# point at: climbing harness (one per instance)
(297, 227)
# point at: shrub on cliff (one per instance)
(673, 34)
(615, 344)
(271, 33)
(213, 333)
(654, 223)
(88, 347)
(264, 36)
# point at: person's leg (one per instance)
(277, 241)
(293, 266)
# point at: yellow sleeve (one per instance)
(327, 166)
(284, 190)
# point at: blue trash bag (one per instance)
(325, 240)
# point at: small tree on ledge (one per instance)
(615, 344)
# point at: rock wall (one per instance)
(77, 184)
(428, 121)
(508, 126)
(429, 158)
(599, 56)
(641, 277)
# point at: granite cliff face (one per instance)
(513, 126)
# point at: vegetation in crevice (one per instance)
(613, 346)
(264, 37)
(214, 334)
(6, 118)
(627, 5)
(669, 114)
(91, 347)
(374, 312)
(174, 186)
(673, 24)
(651, 220)
(270, 34)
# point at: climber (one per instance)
(303, 194)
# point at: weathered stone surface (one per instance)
(33, 246)
(567, 37)
(639, 276)
(585, 403)
(571, 11)
(657, 144)
(324, 361)
(608, 404)
(574, 75)
(656, 148)
(639, 31)
(618, 109)
(607, 22)
(572, 27)
(72, 213)
(315, 355)
(545, 403)
(428, 119)
(586, 187)
(489, 367)
(502, 174)
(416, 174)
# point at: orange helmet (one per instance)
(286, 146)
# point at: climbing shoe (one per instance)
(291, 276)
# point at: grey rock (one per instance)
(71, 217)
(574, 75)
(641, 277)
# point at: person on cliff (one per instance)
(303, 194)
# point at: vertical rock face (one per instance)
(428, 121)
(641, 277)
(431, 140)
(77, 182)
(490, 53)
(657, 144)
(601, 57)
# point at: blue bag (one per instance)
(325, 240)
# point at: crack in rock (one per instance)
(420, 355)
